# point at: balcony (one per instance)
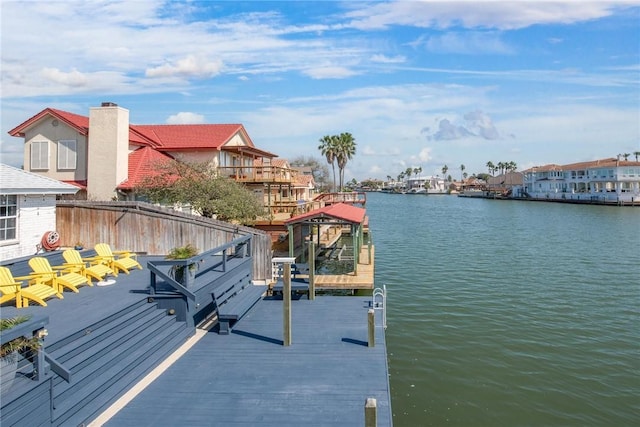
(259, 174)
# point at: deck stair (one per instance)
(109, 357)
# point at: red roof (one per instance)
(76, 121)
(142, 163)
(176, 137)
(341, 211)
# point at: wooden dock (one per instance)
(363, 280)
(249, 378)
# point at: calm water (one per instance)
(505, 313)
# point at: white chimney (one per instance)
(108, 150)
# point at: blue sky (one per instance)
(418, 84)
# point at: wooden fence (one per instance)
(148, 229)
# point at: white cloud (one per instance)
(191, 66)
(184, 118)
(424, 155)
(329, 72)
(468, 43)
(387, 59)
(503, 15)
(72, 78)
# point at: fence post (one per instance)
(286, 300)
(372, 327)
(312, 270)
(370, 412)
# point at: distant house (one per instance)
(27, 210)
(505, 183)
(106, 157)
(604, 180)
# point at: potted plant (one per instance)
(178, 272)
(11, 350)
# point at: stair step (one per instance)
(107, 353)
(120, 317)
(106, 385)
(94, 335)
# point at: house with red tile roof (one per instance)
(107, 157)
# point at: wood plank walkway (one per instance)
(363, 280)
(250, 378)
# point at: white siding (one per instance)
(36, 216)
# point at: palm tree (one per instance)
(328, 149)
(637, 154)
(462, 168)
(445, 168)
(416, 172)
(408, 173)
(346, 149)
(626, 156)
(491, 167)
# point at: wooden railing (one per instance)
(354, 197)
(248, 174)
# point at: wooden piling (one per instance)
(286, 300)
(372, 327)
(371, 412)
(312, 270)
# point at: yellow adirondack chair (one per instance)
(62, 278)
(11, 288)
(78, 265)
(116, 260)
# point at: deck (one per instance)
(250, 378)
(363, 280)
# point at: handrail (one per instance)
(242, 243)
(380, 305)
(35, 327)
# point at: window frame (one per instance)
(8, 218)
(37, 150)
(70, 161)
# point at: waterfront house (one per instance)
(505, 183)
(603, 181)
(27, 210)
(106, 156)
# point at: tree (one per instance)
(345, 150)
(199, 185)
(636, 154)
(491, 167)
(408, 173)
(417, 171)
(626, 156)
(445, 168)
(328, 147)
(319, 170)
(462, 168)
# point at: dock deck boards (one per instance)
(250, 378)
(363, 280)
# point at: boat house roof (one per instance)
(339, 211)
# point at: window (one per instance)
(8, 217)
(39, 155)
(67, 154)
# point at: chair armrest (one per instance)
(23, 278)
(125, 254)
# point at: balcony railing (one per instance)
(259, 174)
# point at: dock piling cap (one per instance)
(284, 260)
